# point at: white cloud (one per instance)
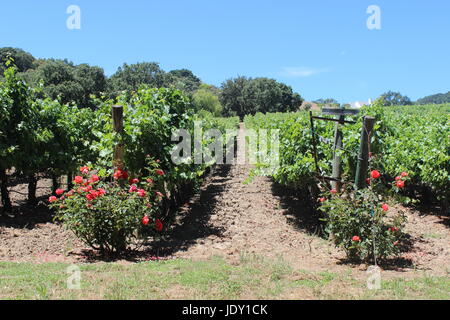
(301, 72)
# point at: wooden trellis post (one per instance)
(363, 157)
(335, 179)
(117, 115)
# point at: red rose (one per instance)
(393, 229)
(78, 180)
(90, 197)
(159, 194)
(84, 170)
(159, 172)
(158, 225)
(59, 192)
(333, 191)
(385, 207)
(117, 174)
(94, 178)
(375, 174)
(150, 181)
(404, 174)
(398, 178)
(356, 239)
(141, 193)
(133, 181)
(52, 199)
(400, 184)
(145, 220)
(120, 174)
(368, 181)
(323, 199)
(101, 191)
(133, 189)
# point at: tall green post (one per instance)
(363, 157)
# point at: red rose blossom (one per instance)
(133, 181)
(59, 192)
(398, 178)
(404, 174)
(356, 239)
(141, 193)
(375, 174)
(159, 172)
(94, 178)
(400, 184)
(52, 199)
(84, 170)
(385, 207)
(133, 189)
(333, 191)
(145, 220)
(323, 199)
(78, 180)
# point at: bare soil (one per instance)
(229, 217)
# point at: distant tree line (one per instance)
(439, 98)
(70, 83)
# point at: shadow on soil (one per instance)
(26, 216)
(191, 223)
(300, 210)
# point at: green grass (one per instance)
(253, 278)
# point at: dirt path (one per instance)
(249, 218)
(231, 218)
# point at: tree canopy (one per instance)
(131, 77)
(22, 59)
(242, 96)
(391, 98)
(439, 98)
(70, 83)
(206, 98)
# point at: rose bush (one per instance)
(361, 223)
(111, 212)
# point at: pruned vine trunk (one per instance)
(32, 186)
(6, 201)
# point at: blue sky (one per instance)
(320, 48)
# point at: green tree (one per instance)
(183, 80)
(242, 96)
(131, 77)
(391, 98)
(62, 79)
(439, 98)
(205, 99)
(22, 59)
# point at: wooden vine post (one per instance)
(363, 157)
(117, 115)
